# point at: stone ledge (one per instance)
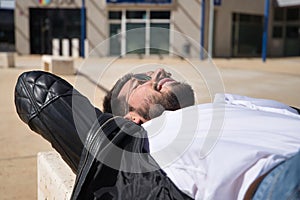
(60, 65)
(55, 177)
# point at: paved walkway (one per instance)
(277, 79)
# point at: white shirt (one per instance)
(215, 151)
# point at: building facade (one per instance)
(164, 27)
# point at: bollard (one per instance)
(66, 47)
(86, 48)
(55, 47)
(75, 47)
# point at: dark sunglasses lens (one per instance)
(142, 77)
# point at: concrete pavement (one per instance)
(277, 79)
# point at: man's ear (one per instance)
(135, 117)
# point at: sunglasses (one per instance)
(141, 77)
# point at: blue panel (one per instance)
(217, 2)
(141, 1)
(265, 33)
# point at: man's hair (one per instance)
(182, 95)
(113, 104)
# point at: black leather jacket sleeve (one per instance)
(55, 110)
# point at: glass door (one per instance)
(47, 24)
(246, 35)
(115, 39)
(142, 32)
(292, 41)
(135, 39)
(159, 38)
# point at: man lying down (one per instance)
(158, 145)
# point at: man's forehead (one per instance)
(125, 88)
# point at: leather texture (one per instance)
(50, 106)
(108, 154)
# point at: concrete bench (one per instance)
(58, 64)
(7, 59)
(55, 178)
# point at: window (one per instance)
(278, 14)
(115, 15)
(135, 40)
(277, 32)
(7, 30)
(292, 32)
(115, 45)
(286, 27)
(250, 18)
(158, 44)
(146, 32)
(292, 14)
(246, 34)
(160, 15)
(136, 14)
(7, 4)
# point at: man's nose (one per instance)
(158, 74)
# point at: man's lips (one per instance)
(163, 82)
